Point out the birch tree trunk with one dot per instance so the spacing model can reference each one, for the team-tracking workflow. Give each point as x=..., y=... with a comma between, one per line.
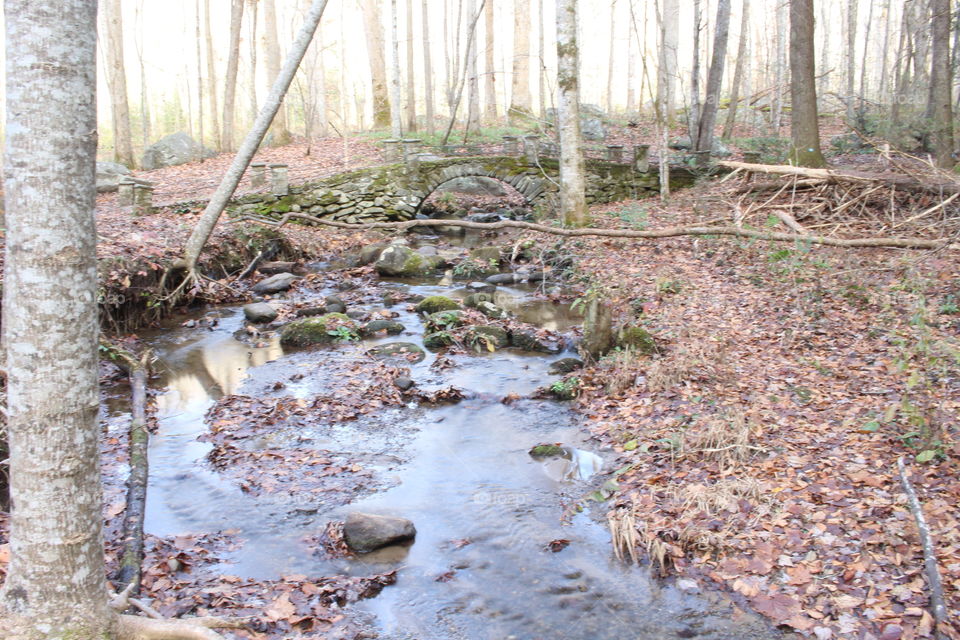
x=396, y=119
x=520, y=102
x=851, y=57
x=211, y=78
x=220, y=198
x=941, y=84
x=111, y=35
x=279, y=129
x=376, y=47
x=708, y=118
x=631, y=65
x=230, y=81
x=252, y=53
x=427, y=69
x=473, y=79
x=738, y=71
x=573, y=204
x=55, y=586
x=489, y=80
x=411, y=80
x=541, y=62
x=199, y=80
x=667, y=64
x=611, y=53
x=804, y=127
x=780, y=69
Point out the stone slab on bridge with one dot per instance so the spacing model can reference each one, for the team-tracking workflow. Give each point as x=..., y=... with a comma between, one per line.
x=395, y=192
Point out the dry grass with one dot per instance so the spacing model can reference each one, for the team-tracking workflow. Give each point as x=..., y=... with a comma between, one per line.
x=693, y=360
x=622, y=369
x=725, y=440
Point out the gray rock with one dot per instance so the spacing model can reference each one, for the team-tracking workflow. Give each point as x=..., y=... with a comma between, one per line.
x=474, y=186
x=681, y=143
x=402, y=350
x=273, y=268
x=503, y=278
x=490, y=310
x=392, y=327
x=365, y=532
x=403, y=383
x=276, y=283
x=481, y=287
x=108, y=176
x=427, y=250
x=565, y=365
x=403, y=262
x=592, y=128
x=483, y=217
x=474, y=300
x=335, y=305
x=370, y=253
x=174, y=149
x=311, y=311
x=528, y=340
x=260, y=312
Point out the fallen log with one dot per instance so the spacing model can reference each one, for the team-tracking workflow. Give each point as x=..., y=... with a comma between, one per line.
x=667, y=232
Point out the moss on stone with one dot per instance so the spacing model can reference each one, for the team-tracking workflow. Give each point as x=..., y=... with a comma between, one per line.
x=442, y=320
x=547, y=451
x=434, y=304
x=437, y=340
x=638, y=339
x=316, y=330
x=487, y=338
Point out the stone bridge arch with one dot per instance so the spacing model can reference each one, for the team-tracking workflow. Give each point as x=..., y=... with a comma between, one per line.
x=396, y=191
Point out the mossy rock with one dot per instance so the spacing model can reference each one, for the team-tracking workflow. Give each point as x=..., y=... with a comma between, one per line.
x=487, y=338
x=443, y=320
x=403, y=262
x=638, y=339
x=548, y=451
x=316, y=330
x=435, y=304
x=474, y=299
x=528, y=340
x=405, y=350
x=487, y=255
x=437, y=340
x=392, y=327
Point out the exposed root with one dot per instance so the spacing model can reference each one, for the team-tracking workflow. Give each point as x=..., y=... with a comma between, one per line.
x=139, y=628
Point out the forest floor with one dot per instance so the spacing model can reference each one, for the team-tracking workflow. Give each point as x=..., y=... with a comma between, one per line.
x=757, y=447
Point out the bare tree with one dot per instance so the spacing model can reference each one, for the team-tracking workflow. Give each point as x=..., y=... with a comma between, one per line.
x=230, y=81
x=611, y=51
x=252, y=53
x=850, y=54
x=489, y=79
x=111, y=42
x=427, y=69
x=396, y=119
x=805, y=130
x=667, y=63
x=279, y=128
x=473, y=79
x=780, y=68
x=211, y=78
x=941, y=84
x=735, y=89
x=198, y=42
x=144, y=101
x=411, y=84
x=573, y=203
x=708, y=117
x=541, y=62
x=520, y=102
x=693, y=118
x=376, y=46
x=55, y=585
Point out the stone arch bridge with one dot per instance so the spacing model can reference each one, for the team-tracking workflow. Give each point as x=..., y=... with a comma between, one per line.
x=395, y=192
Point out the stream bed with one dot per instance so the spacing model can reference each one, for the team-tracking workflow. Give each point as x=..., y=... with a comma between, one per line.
x=486, y=512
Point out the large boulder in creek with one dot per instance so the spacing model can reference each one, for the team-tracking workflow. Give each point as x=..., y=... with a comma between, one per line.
x=529, y=340
x=365, y=532
x=109, y=175
x=174, y=149
x=370, y=253
x=434, y=304
x=325, y=329
x=275, y=284
x=260, y=312
x=487, y=338
x=398, y=261
x=398, y=351
x=391, y=327
x=475, y=186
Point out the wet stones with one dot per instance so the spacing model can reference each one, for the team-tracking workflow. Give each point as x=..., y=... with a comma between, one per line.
x=481, y=287
x=437, y=340
x=528, y=340
x=434, y=304
x=334, y=304
x=371, y=253
x=325, y=329
x=491, y=310
x=504, y=278
x=399, y=261
x=487, y=338
x=365, y=532
x=260, y=312
x=391, y=327
x=400, y=350
x=475, y=299
x=275, y=283
x=565, y=366
x=404, y=383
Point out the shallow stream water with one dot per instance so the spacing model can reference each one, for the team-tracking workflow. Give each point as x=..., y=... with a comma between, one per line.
x=485, y=511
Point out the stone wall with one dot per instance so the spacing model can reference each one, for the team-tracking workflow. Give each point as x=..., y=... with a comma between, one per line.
x=395, y=192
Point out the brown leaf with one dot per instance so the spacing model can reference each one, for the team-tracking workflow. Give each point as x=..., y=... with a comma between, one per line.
x=280, y=609
x=779, y=607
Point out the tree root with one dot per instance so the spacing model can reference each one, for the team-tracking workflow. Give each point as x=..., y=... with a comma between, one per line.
x=668, y=232
x=139, y=628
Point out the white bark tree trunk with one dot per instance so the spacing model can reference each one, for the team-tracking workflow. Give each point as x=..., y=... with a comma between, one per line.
x=411, y=80
x=427, y=69
x=396, y=119
x=211, y=78
x=56, y=586
x=230, y=82
x=218, y=202
x=489, y=80
x=111, y=35
x=573, y=204
x=473, y=79
x=520, y=103
x=667, y=64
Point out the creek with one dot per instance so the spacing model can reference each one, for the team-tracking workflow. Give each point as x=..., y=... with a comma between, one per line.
x=485, y=511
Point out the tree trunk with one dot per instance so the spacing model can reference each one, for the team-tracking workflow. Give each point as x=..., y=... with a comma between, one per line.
x=279, y=129
x=851, y=58
x=885, y=56
x=427, y=69
x=824, y=81
x=321, y=85
x=396, y=118
x=218, y=202
x=804, y=128
x=473, y=80
x=230, y=82
x=667, y=64
x=211, y=78
x=520, y=102
x=693, y=119
x=252, y=52
x=541, y=62
x=376, y=46
x=611, y=56
x=111, y=34
x=199, y=79
x=708, y=118
x=489, y=80
x=863, y=67
x=738, y=72
x=941, y=84
x=55, y=586
x=780, y=73
x=144, y=100
x=631, y=63
x=411, y=80
x=573, y=204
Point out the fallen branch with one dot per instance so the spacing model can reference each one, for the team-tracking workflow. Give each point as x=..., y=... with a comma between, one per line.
x=937, y=604
x=791, y=222
x=668, y=232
